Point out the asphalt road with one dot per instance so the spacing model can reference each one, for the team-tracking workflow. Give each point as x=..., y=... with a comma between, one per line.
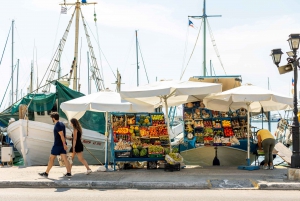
x=62, y=194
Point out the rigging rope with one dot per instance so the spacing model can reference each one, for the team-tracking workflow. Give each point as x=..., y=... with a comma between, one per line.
x=132, y=42
x=98, y=43
x=192, y=52
x=185, y=48
x=5, y=45
x=143, y=62
x=7, y=86
x=215, y=46
x=56, y=33
x=79, y=66
x=100, y=50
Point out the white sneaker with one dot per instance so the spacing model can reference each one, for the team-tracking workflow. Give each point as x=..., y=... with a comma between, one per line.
x=88, y=172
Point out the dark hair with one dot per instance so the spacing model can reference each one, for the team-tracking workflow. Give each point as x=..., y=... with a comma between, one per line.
x=76, y=125
x=54, y=115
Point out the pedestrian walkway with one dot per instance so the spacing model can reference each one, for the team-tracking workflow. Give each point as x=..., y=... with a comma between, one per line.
x=192, y=177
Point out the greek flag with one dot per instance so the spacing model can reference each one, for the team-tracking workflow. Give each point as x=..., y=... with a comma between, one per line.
x=63, y=10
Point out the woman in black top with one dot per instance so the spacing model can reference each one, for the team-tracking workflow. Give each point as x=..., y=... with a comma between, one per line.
x=77, y=146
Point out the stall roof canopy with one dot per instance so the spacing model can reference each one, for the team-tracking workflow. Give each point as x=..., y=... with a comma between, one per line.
x=227, y=81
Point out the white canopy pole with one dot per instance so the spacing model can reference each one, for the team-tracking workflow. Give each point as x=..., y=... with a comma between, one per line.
x=248, y=134
x=167, y=121
x=106, y=139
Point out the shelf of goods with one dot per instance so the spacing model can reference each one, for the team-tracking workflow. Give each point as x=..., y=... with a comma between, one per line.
x=212, y=128
x=139, y=137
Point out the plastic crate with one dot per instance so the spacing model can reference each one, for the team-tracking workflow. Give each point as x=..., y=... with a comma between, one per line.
x=171, y=168
x=123, y=154
x=155, y=155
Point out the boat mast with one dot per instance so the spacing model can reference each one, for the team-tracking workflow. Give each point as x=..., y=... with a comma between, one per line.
x=76, y=45
x=204, y=18
x=137, y=58
x=12, y=62
x=77, y=11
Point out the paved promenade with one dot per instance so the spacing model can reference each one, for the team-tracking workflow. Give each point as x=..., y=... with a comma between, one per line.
x=188, y=178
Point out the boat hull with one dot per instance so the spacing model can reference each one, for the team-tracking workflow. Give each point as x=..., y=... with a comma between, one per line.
x=34, y=141
x=205, y=155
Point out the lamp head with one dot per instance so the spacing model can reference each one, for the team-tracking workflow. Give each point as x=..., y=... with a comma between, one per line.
x=294, y=40
x=276, y=56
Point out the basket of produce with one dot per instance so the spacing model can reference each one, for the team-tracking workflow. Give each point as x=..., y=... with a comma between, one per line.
x=143, y=119
x=130, y=119
x=157, y=119
x=173, y=158
x=122, y=145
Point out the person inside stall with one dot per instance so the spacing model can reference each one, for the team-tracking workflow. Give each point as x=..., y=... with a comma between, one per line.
x=266, y=141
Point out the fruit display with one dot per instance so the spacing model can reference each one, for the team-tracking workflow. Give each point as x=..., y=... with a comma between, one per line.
x=208, y=139
x=153, y=131
x=143, y=120
x=124, y=137
x=162, y=130
x=157, y=119
x=218, y=133
x=199, y=137
x=226, y=123
x=130, y=118
x=122, y=145
x=122, y=130
x=155, y=149
x=216, y=124
x=208, y=124
x=198, y=123
x=135, y=143
x=118, y=121
x=208, y=131
x=228, y=132
x=134, y=130
x=144, y=132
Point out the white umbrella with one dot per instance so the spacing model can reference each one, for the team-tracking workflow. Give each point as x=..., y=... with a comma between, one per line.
x=103, y=101
x=171, y=93
x=251, y=97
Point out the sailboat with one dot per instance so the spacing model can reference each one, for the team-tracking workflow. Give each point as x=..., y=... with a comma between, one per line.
x=32, y=134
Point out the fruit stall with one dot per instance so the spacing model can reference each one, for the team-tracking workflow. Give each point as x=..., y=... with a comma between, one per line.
x=204, y=127
x=139, y=137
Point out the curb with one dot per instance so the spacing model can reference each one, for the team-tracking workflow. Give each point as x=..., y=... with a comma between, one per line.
x=104, y=185
x=279, y=186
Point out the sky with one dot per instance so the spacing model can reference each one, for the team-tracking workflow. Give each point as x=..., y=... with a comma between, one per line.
x=245, y=35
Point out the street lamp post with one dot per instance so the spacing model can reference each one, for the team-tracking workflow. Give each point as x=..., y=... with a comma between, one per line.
x=293, y=64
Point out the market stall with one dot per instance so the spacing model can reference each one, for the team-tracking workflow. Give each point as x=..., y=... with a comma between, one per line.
x=139, y=137
x=204, y=127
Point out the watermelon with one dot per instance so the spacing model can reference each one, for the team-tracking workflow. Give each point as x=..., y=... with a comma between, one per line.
x=136, y=152
x=143, y=152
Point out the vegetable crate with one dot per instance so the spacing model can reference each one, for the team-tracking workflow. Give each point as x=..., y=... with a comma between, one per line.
x=123, y=154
